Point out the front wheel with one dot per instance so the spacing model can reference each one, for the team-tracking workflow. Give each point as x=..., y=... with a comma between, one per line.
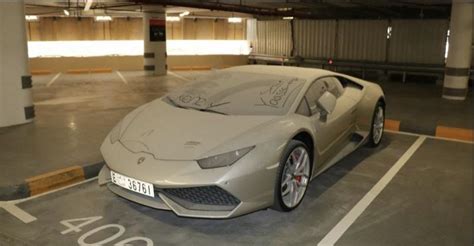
x=378, y=121
x=293, y=176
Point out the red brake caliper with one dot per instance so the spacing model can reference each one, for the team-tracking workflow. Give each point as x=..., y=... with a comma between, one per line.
x=298, y=178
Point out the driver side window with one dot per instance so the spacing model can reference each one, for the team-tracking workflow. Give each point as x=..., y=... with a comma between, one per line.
x=315, y=91
x=309, y=105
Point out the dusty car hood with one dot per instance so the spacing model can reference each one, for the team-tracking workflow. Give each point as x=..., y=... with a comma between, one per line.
x=171, y=133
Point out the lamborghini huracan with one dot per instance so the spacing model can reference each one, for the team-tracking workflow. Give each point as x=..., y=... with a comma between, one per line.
x=240, y=139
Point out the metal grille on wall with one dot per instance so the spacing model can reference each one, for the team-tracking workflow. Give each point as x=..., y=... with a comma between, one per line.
x=273, y=38
x=315, y=38
x=362, y=40
x=418, y=41
x=411, y=41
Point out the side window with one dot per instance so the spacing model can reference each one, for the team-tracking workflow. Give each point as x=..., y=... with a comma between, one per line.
x=333, y=85
x=303, y=108
x=348, y=83
x=315, y=91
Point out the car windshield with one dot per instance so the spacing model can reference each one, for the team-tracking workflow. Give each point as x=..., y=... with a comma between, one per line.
x=238, y=93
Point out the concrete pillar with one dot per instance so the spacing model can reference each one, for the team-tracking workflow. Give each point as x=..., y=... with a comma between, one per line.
x=16, y=104
x=154, y=38
x=459, y=55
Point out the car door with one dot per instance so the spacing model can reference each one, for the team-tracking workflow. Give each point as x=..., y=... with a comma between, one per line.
x=333, y=130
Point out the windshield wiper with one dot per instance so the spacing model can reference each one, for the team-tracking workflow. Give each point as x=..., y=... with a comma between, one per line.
x=174, y=103
x=210, y=110
x=198, y=109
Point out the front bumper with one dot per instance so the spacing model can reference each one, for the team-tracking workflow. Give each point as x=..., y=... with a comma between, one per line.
x=188, y=190
x=166, y=201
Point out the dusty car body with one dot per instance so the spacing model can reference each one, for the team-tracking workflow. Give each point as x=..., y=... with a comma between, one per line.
x=241, y=139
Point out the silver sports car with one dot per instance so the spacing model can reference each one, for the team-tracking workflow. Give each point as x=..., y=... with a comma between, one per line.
x=240, y=139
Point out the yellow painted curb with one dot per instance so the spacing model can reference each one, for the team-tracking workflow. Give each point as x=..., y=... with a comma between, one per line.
x=190, y=68
x=201, y=68
x=40, y=72
x=101, y=70
x=180, y=68
x=393, y=125
x=89, y=70
x=54, y=180
x=77, y=71
x=455, y=133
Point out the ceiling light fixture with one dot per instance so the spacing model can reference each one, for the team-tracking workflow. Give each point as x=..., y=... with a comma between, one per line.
x=184, y=13
x=66, y=13
x=288, y=18
x=234, y=20
x=102, y=18
x=31, y=18
x=284, y=9
x=173, y=18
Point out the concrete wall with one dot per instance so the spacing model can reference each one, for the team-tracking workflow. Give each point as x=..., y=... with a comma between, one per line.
x=418, y=41
x=71, y=28
x=68, y=64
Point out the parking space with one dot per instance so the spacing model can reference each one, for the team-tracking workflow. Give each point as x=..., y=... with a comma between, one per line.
x=429, y=199
x=421, y=200
x=88, y=83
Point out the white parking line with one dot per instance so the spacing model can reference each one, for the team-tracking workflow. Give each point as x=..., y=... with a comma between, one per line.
x=428, y=136
x=53, y=79
x=53, y=191
x=18, y=212
x=13, y=209
x=178, y=76
x=337, y=231
x=122, y=77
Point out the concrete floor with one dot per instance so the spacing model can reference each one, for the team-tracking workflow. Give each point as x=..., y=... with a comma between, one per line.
x=75, y=112
x=429, y=202
x=420, y=107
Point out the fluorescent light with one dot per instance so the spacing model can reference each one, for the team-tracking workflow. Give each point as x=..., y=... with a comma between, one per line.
x=234, y=20
x=389, y=32
x=172, y=18
x=66, y=13
x=88, y=5
x=284, y=9
x=135, y=48
x=31, y=17
x=288, y=18
x=103, y=18
x=184, y=13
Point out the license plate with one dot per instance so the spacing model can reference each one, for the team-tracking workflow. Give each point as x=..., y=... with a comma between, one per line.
x=132, y=184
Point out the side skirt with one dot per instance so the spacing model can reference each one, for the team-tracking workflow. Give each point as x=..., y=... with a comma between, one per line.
x=357, y=140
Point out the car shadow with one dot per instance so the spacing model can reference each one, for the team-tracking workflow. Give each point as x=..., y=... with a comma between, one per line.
x=317, y=213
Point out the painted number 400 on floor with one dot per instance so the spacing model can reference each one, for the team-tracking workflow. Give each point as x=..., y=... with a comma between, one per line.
x=75, y=225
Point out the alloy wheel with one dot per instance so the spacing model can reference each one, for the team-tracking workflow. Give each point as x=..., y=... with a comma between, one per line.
x=377, y=128
x=295, y=177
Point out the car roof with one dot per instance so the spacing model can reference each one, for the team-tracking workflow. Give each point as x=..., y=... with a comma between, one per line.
x=308, y=74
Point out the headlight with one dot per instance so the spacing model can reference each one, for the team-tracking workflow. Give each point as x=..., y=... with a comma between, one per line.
x=225, y=159
x=115, y=133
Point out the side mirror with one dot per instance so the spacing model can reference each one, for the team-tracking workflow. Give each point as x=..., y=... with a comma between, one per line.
x=327, y=102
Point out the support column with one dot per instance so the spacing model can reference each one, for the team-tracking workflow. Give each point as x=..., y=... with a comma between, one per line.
x=456, y=75
x=16, y=104
x=154, y=38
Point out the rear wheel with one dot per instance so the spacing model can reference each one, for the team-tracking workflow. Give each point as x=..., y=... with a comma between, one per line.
x=293, y=176
x=378, y=121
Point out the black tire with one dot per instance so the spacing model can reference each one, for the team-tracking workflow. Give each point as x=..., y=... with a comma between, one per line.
x=278, y=203
x=371, y=142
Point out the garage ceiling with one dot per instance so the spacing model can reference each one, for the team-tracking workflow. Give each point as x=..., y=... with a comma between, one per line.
x=312, y=9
